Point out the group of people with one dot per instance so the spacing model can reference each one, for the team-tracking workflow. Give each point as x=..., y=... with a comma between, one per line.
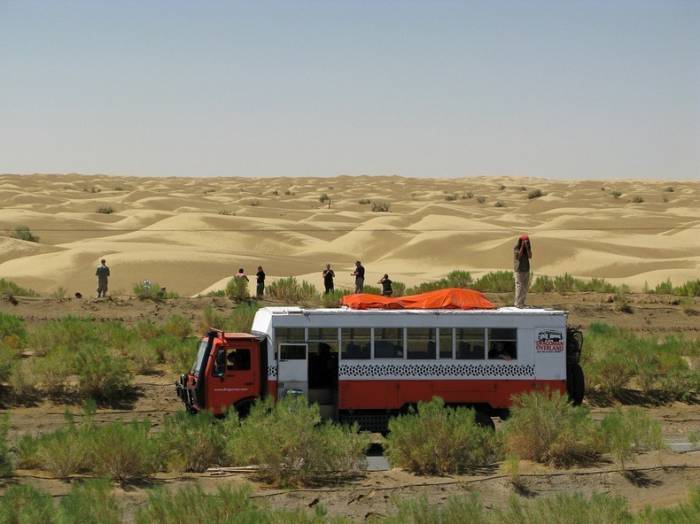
x=522, y=253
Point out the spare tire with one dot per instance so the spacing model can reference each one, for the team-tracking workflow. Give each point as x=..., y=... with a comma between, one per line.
x=575, y=384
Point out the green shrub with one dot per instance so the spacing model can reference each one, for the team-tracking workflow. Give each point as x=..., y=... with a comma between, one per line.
x=24, y=504
x=455, y=278
x=24, y=233
x=195, y=443
x=177, y=326
x=398, y=288
x=628, y=432
x=124, y=451
x=372, y=290
x=637, y=200
x=496, y=282
x=90, y=502
x=5, y=463
x=499, y=204
x=10, y=288
x=237, y=289
x=7, y=362
x=417, y=510
x=439, y=440
x=100, y=375
x=364, y=201
x=545, y=427
x=53, y=371
x=177, y=353
x=332, y=299
x=105, y=210
x=451, y=197
x=289, y=290
x=324, y=198
x=380, y=206
x=12, y=331
x=152, y=291
x=481, y=199
x=141, y=357
x=616, y=194
x=297, y=447
x=535, y=193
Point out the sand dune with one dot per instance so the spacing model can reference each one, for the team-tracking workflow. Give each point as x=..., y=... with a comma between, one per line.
x=192, y=234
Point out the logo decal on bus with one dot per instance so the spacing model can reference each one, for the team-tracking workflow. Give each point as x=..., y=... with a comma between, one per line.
x=549, y=341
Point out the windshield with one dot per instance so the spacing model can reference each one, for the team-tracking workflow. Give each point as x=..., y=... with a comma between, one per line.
x=198, y=364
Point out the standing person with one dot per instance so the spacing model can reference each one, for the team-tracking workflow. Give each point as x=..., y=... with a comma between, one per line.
x=102, y=275
x=260, y=288
x=387, y=291
x=359, y=275
x=522, y=253
x=328, y=276
x=241, y=274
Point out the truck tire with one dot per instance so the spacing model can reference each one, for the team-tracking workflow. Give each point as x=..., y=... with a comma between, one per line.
x=575, y=384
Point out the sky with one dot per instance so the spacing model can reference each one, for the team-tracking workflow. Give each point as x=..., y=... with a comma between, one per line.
x=594, y=89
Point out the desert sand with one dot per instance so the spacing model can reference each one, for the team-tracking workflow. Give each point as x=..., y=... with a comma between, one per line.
x=192, y=234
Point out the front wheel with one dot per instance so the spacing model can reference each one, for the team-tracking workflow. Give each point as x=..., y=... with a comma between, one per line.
x=575, y=384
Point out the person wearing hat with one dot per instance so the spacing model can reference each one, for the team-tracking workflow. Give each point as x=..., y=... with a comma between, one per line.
x=522, y=254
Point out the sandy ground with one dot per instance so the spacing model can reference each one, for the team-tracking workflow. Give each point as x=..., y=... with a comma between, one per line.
x=659, y=479
x=192, y=234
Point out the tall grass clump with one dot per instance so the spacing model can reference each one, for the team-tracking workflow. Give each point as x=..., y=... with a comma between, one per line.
x=24, y=233
x=24, y=504
x=455, y=278
x=12, y=331
x=691, y=288
x=439, y=440
x=177, y=326
x=495, y=282
x=101, y=375
x=291, y=291
x=615, y=359
x=628, y=432
x=239, y=320
x=566, y=283
x=298, y=448
x=90, y=502
x=332, y=299
x=546, y=428
x=152, y=291
x=7, y=287
x=5, y=462
x=237, y=289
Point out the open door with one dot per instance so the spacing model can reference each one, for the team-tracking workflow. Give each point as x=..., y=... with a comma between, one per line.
x=292, y=369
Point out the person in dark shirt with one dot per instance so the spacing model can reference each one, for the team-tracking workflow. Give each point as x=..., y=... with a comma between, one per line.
x=260, y=288
x=522, y=253
x=328, y=276
x=359, y=275
x=102, y=274
x=387, y=291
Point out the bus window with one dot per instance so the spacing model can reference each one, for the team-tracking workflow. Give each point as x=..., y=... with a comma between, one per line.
x=503, y=343
x=471, y=343
x=355, y=343
x=420, y=343
x=446, y=342
x=388, y=342
x=289, y=336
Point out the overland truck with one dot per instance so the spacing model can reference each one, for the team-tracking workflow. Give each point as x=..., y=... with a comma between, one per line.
x=366, y=364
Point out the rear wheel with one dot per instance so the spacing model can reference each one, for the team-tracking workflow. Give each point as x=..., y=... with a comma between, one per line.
x=575, y=384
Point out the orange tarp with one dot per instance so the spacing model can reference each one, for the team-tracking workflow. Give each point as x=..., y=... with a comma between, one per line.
x=453, y=298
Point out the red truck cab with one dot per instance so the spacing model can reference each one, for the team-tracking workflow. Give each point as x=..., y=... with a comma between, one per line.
x=227, y=372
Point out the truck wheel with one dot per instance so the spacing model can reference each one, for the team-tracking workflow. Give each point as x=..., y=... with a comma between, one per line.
x=575, y=384
x=484, y=420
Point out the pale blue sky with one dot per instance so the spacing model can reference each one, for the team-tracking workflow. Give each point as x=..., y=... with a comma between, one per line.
x=560, y=89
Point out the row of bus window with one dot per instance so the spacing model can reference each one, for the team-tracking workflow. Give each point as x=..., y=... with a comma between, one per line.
x=399, y=343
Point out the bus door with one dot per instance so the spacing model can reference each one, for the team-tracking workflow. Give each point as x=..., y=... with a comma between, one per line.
x=292, y=369
x=234, y=375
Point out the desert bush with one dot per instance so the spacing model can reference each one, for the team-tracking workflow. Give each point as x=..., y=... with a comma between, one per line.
x=195, y=443
x=333, y=298
x=148, y=290
x=177, y=353
x=364, y=201
x=63, y=452
x=10, y=288
x=90, y=502
x=455, y=278
x=616, y=194
x=141, y=357
x=324, y=198
x=628, y=432
x=254, y=203
x=12, y=331
x=177, y=326
x=7, y=361
x=622, y=302
x=380, y=206
x=535, y=193
x=5, y=463
x=372, y=290
x=237, y=289
x=545, y=427
x=637, y=200
x=495, y=282
x=669, y=189
x=105, y=210
x=52, y=371
x=24, y=504
x=24, y=233
x=499, y=204
x=298, y=448
x=481, y=199
x=451, y=197
x=691, y=288
x=100, y=375
x=289, y=290
x=21, y=380
x=399, y=288
x=567, y=284
x=439, y=440
x=468, y=195
x=124, y=451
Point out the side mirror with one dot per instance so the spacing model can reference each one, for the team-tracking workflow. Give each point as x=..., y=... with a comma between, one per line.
x=220, y=364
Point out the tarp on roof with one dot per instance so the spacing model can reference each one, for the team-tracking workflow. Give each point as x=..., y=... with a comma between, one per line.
x=452, y=298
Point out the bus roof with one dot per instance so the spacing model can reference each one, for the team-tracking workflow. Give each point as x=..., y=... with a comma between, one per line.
x=294, y=310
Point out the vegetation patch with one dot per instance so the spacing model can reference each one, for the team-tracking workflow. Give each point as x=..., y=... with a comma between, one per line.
x=291, y=291
x=8, y=287
x=148, y=290
x=105, y=210
x=440, y=440
x=298, y=448
x=237, y=289
x=24, y=233
x=535, y=193
x=380, y=206
x=567, y=283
